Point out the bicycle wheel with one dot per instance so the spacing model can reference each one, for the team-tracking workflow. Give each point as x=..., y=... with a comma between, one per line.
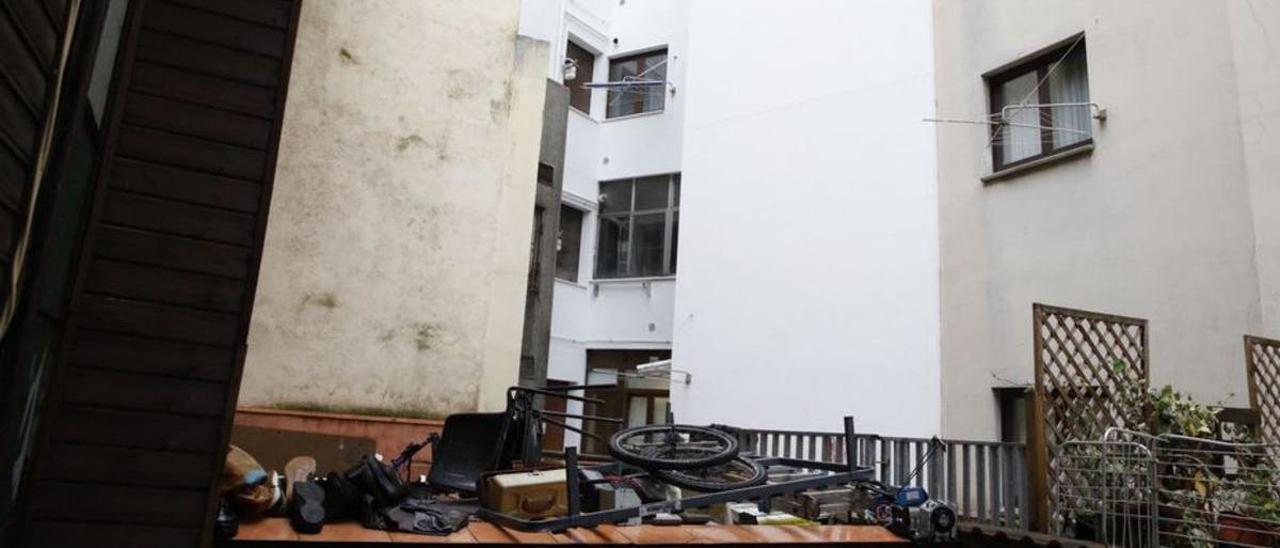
x=735, y=474
x=672, y=447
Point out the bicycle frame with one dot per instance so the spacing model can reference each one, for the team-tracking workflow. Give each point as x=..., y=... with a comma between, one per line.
x=841, y=473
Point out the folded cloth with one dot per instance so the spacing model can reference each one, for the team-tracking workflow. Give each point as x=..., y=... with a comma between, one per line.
x=424, y=516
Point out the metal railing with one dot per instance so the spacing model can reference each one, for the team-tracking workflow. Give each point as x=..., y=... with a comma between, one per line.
x=986, y=480
x=1135, y=490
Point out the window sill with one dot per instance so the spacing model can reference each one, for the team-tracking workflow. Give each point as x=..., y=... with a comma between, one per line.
x=585, y=115
x=1082, y=150
x=641, y=279
x=571, y=283
x=634, y=116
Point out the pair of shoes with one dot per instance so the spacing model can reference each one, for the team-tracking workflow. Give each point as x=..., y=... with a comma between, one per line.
x=306, y=499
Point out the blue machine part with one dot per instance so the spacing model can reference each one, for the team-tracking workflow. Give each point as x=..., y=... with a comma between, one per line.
x=910, y=496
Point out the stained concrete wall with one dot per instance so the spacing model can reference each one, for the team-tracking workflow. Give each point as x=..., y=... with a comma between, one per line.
x=1171, y=218
x=397, y=250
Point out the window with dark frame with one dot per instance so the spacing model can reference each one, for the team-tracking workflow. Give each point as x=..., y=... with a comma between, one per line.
x=585, y=61
x=639, y=225
x=1027, y=127
x=627, y=100
x=569, y=244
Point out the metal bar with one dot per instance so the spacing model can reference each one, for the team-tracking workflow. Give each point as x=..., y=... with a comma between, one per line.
x=1006, y=485
x=981, y=482
x=886, y=462
x=934, y=469
x=918, y=469
x=949, y=491
x=900, y=452
x=849, y=441
x=555, y=394
x=583, y=417
x=966, y=501
x=841, y=475
x=575, y=429
x=571, y=476
x=1020, y=488
x=576, y=387
x=1000, y=478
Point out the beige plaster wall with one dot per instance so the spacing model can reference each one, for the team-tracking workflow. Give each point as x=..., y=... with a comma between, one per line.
x=396, y=253
x=1171, y=218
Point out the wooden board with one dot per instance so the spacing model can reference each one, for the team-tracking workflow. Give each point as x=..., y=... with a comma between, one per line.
x=272, y=447
x=276, y=532
x=142, y=401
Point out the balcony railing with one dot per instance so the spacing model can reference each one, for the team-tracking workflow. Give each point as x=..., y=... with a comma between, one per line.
x=986, y=480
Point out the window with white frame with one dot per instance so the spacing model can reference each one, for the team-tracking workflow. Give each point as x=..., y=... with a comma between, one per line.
x=1040, y=106
x=639, y=227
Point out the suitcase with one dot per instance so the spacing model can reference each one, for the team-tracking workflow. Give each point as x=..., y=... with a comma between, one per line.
x=527, y=495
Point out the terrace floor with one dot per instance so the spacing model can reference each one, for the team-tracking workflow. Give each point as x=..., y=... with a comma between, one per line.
x=276, y=533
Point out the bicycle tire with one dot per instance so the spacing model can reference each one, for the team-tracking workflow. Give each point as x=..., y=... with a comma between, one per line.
x=703, y=481
x=668, y=455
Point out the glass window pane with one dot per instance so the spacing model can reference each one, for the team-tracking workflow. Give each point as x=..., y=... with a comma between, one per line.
x=615, y=197
x=1070, y=84
x=1021, y=138
x=661, y=405
x=647, y=244
x=636, y=99
x=675, y=184
x=579, y=96
x=637, y=411
x=675, y=239
x=569, y=243
x=651, y=192
x=611, y=253
x=655, y=68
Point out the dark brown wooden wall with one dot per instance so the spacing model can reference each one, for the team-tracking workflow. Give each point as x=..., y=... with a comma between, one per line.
x=141, y=403
x=30, y=46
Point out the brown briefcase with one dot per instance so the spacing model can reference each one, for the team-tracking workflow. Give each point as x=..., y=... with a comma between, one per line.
x=526, y=495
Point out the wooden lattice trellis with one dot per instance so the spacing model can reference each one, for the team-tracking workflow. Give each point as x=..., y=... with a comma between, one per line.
x=1262, y=365
x=1090, y=369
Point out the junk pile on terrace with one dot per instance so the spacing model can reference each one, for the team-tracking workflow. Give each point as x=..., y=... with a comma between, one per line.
x=490, y=466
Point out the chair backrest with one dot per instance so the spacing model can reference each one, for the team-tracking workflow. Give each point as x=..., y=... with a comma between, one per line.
x=470, y=444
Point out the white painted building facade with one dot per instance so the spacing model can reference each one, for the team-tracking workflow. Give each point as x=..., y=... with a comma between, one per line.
x=592, y=313
x=838, y=255
x=769, y=190
x=808, y=283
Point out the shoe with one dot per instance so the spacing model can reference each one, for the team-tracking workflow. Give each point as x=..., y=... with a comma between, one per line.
x=341, y=497
x=378, y=480
x=227, y=524
x=297, y=470
x=279, y=501
x=306, y=507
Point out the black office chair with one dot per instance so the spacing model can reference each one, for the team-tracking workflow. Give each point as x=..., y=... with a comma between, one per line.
x=471, y=444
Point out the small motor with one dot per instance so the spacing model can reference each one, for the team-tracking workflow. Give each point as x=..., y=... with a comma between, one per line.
x=933, y=521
